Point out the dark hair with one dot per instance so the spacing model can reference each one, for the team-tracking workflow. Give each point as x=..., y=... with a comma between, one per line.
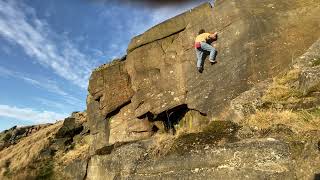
x=201, y=31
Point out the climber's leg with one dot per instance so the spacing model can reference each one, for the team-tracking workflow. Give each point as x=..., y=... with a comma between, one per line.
x=199, y=58
x=212, y=50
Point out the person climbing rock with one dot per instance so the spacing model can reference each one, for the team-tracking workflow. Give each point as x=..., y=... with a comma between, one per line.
x=202, y=46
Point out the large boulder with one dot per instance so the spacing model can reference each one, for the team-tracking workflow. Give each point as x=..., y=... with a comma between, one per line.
x=209, y=156
x=257, y=40
x=110, y=86
x=109, y=89
x=309, y=80
x=125, y=127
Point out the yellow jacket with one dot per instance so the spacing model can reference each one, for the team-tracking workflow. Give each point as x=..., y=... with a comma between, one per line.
x=202, y=37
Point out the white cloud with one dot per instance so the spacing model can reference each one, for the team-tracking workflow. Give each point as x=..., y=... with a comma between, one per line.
x=50, y=103
x=46, y=84
x=74, y=101
x=6, y=72
x=20, y=25
x=61, y=107
x=77, y=105
x=28, y=114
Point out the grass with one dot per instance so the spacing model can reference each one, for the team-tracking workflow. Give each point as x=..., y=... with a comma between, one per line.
x=28, y=162
x=6, y=137
x=45, y=171
x=310, y=114
x=298, y=121
x=162, y=143
x=316, y=62
x=80, y=151
x=23, y=153
x=211, y=134
x=7, y=172
x=282, y=89
x=192, y=122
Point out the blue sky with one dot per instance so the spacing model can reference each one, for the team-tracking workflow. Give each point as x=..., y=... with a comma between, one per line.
x=48, y=49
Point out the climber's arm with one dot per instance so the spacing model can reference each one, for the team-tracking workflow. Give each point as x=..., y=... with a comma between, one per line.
x=213, y=35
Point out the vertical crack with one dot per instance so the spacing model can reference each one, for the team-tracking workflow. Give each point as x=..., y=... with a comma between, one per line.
x=87, y=166
x=164, y=52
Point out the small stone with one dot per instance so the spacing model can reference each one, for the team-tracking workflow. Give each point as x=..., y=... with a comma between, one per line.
x=278, y=106
x=196, y=170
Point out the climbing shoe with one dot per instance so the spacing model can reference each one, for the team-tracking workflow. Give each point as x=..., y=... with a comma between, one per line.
x=213, y=61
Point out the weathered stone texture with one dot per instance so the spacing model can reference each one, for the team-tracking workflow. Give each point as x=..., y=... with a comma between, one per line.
x=99, y=127
x=125, y=127
x=256, y=41
x=309, y=80
x=119, y=166
x=75, y=170
x=252, y=159
x=110, y=117
x=170, y=27
x=110, y=85
x=247, y=103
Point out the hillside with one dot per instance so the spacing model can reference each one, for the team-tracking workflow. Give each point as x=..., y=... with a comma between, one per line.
x=255, y=114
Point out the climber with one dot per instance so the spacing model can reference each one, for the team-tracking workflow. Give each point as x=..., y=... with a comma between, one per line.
x=202, y=46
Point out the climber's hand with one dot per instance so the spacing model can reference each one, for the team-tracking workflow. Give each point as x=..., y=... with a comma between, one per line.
x=214, y=36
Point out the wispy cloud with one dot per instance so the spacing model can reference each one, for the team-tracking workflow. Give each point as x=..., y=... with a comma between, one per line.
x=46, y=84
x=20, y=25
x=51, y=104
x=28, y=114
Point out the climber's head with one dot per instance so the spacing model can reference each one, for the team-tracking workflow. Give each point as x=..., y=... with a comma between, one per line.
x=201, y=31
